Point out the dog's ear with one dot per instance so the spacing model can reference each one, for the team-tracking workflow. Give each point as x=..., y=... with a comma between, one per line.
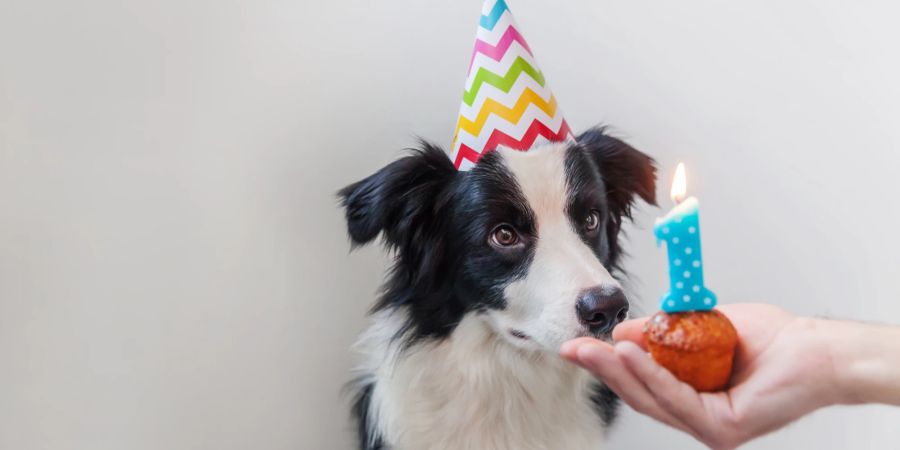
x=399, y=200
x=626, y=172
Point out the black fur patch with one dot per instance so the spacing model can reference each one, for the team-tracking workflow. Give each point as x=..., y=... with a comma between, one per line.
x=586, y=194
x=606, y=403
x=627, y=174
x=367, y=438
x=439, y=221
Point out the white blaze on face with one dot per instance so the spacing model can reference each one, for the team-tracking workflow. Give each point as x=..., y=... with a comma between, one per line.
x=542, y=304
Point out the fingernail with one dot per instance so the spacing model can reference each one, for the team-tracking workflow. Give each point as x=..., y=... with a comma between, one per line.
x=568, y=348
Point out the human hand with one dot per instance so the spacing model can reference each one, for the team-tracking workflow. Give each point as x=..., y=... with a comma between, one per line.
x=781, y=372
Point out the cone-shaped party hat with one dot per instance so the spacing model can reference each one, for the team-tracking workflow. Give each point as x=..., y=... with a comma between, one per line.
x=507, y=101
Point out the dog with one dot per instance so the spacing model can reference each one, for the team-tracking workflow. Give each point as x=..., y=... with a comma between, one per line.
x=494, y=269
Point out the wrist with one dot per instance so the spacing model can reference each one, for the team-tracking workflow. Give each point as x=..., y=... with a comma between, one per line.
x=863, y=361
x=819, y=341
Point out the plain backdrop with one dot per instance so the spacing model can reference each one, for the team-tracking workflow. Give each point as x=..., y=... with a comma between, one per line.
x=174, y=271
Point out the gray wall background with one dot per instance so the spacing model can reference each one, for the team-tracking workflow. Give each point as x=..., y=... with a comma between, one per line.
x=174, y=272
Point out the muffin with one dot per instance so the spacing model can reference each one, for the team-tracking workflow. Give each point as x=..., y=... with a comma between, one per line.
x=696, y=346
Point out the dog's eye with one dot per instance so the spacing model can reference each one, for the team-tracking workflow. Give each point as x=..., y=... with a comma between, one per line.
x=592, y=221
x=504, y=236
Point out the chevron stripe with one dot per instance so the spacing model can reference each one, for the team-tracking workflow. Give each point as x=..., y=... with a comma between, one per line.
x=535, y=130
x=516, y=130
x=496, y=52
x=506, y=98
x=498, y=138
x=488, y=21
x=493, y=36
x=505, y=82
x=464, y=154
x=502, y=66
x=512, y=115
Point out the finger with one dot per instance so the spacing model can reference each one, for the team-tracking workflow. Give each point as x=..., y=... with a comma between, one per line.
x=677, y=398
x=631, y=330
x=601, y=361
x=567, y=350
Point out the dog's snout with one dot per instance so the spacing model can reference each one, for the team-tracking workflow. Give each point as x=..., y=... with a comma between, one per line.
x=601, y=308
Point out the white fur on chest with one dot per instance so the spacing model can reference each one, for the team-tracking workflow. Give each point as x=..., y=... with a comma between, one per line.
x=474, y=391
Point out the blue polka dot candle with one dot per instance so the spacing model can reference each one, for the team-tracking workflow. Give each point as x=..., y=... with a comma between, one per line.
x=680, y=230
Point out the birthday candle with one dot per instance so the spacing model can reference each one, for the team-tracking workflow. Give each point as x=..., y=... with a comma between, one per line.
x=680, y=229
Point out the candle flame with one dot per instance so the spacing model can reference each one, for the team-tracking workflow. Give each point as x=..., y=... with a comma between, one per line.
x=679, y=184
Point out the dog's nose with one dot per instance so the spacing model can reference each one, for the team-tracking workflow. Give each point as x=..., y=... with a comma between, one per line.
x=601, y=308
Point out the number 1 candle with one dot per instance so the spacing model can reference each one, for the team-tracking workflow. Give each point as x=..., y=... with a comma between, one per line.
x=688, y=337
x=680, y=229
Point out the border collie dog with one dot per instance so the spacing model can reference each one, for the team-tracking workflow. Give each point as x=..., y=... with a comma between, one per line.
x=494, y=269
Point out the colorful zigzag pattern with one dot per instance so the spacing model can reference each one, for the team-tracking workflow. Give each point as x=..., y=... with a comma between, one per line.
x=506, y=101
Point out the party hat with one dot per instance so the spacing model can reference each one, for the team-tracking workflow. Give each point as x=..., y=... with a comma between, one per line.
x=507, y=101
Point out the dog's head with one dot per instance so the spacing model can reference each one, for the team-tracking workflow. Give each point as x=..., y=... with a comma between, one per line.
x=525, y=240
